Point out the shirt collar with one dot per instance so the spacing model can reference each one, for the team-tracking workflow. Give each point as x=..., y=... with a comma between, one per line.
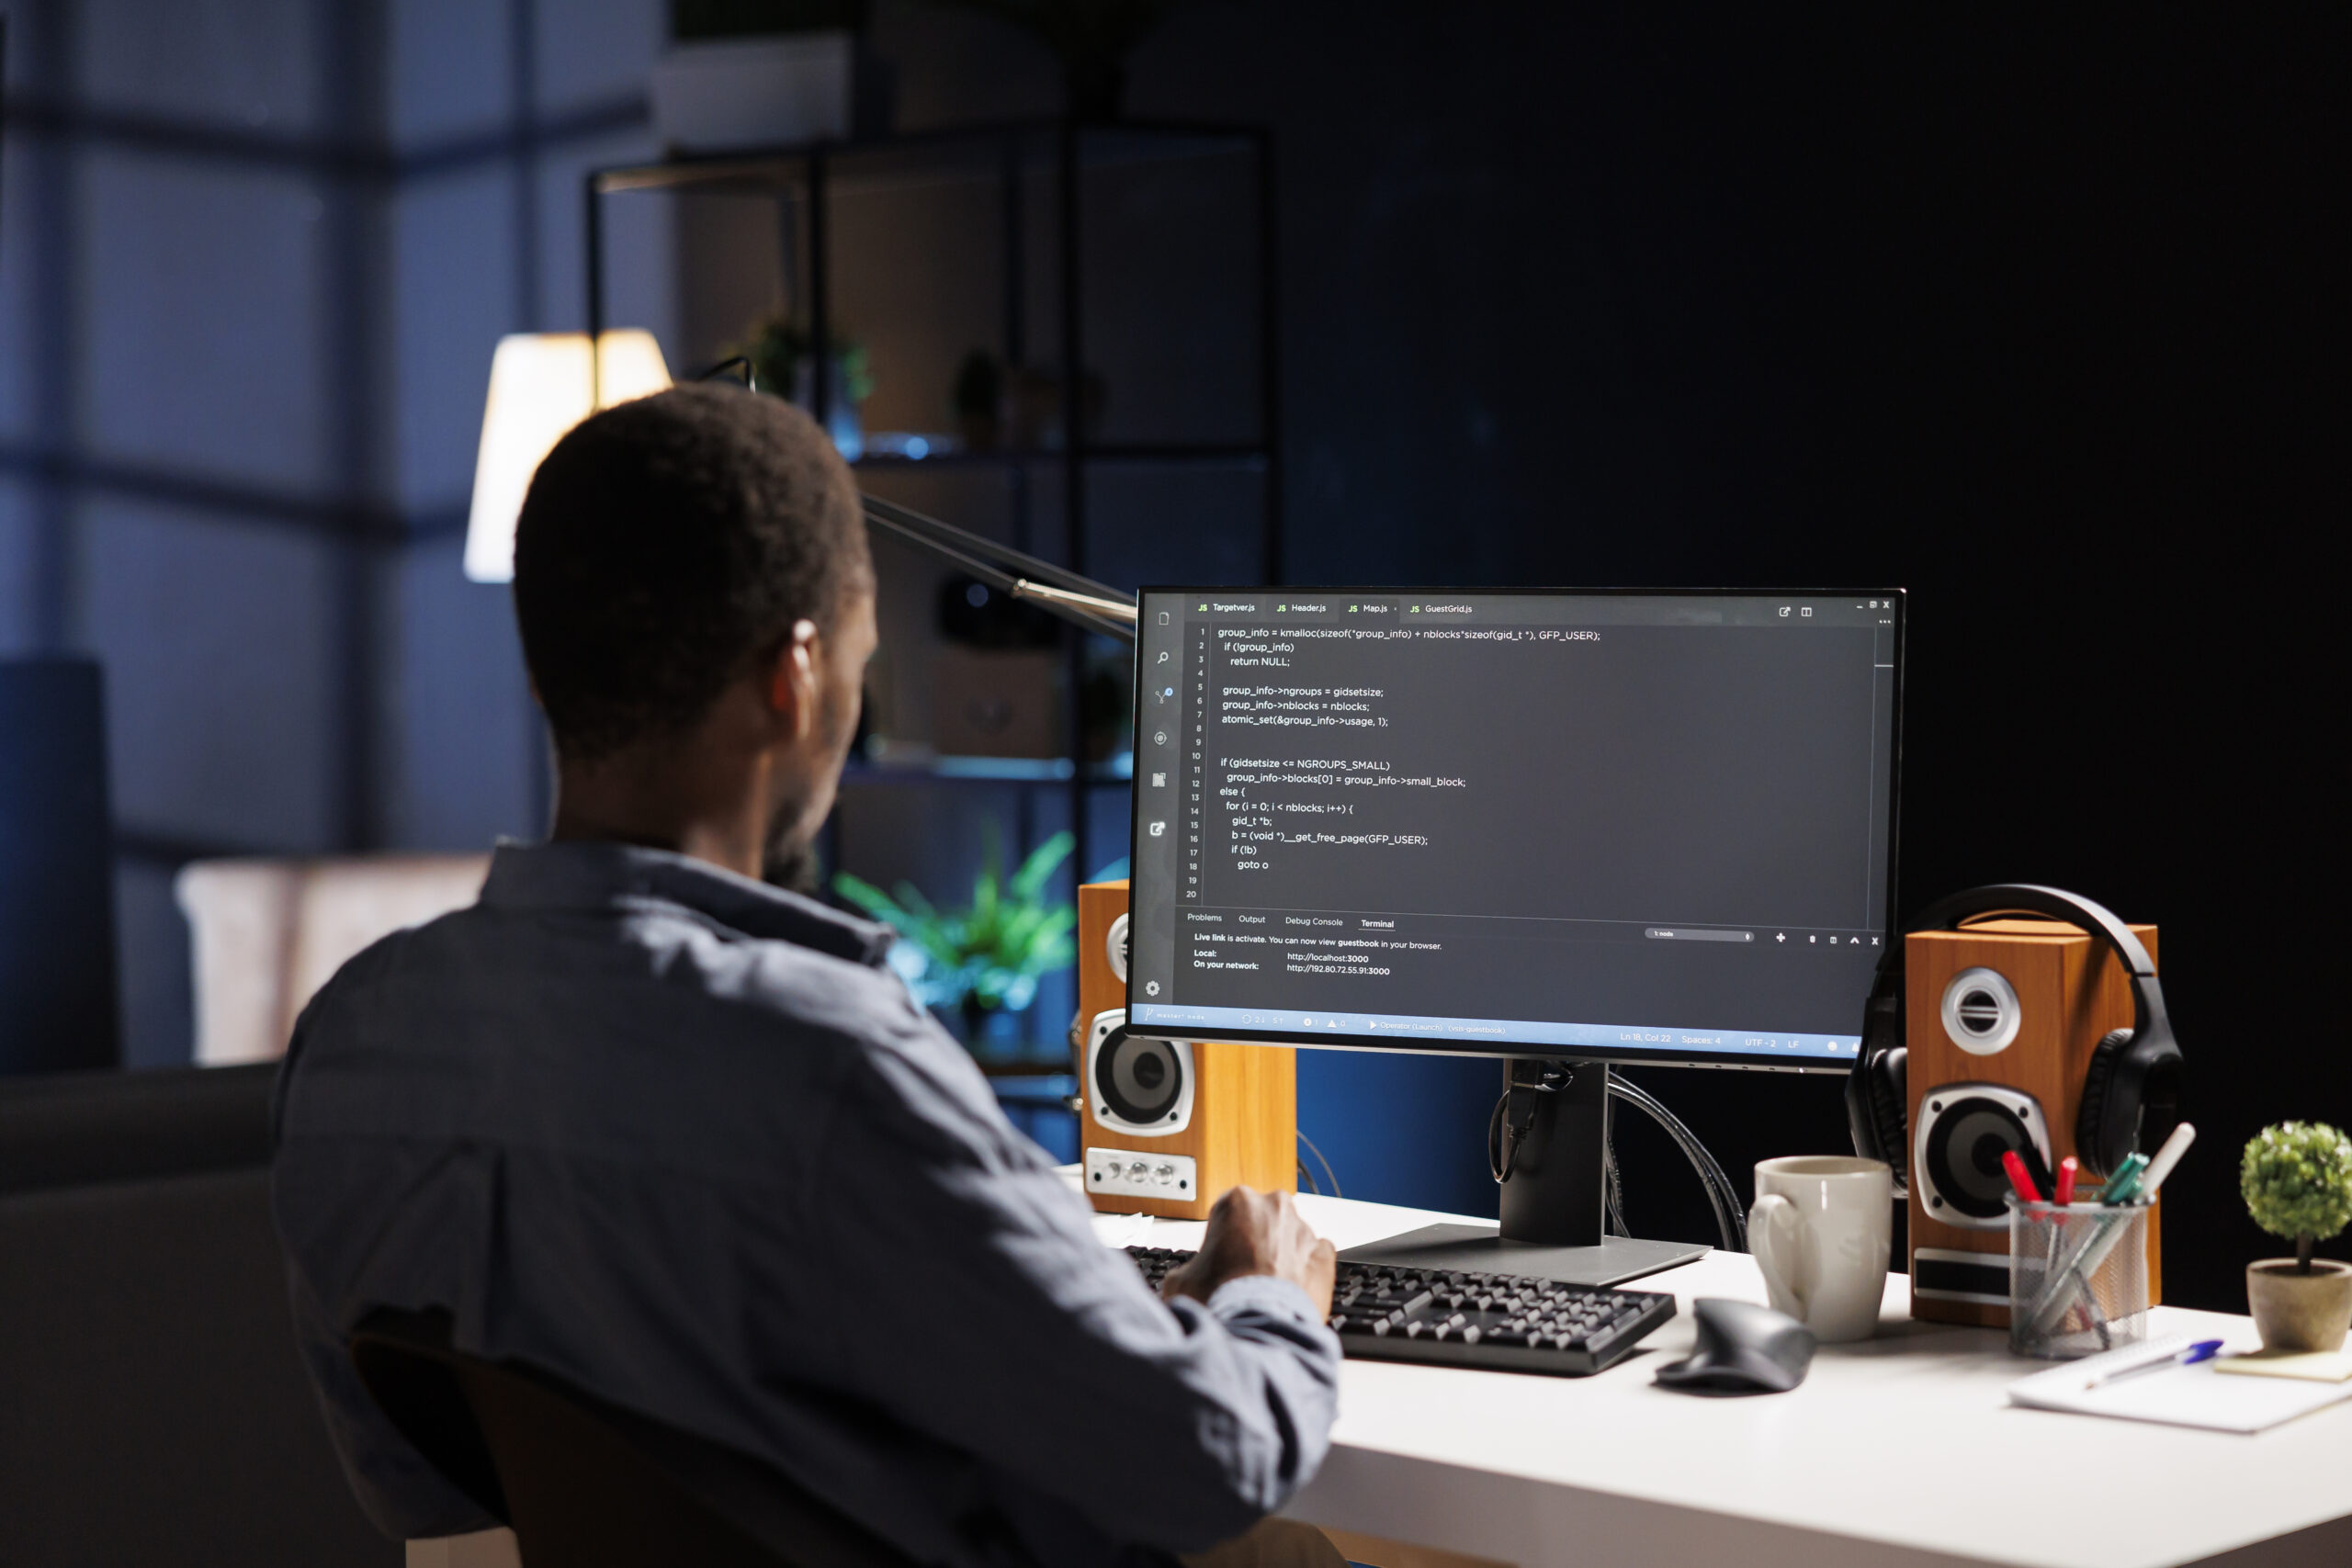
x=581, y=873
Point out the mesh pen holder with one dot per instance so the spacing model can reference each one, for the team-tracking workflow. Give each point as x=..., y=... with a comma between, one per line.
x=2078, y=1278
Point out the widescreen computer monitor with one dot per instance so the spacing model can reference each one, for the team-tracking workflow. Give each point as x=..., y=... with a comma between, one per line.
x=1628, y=826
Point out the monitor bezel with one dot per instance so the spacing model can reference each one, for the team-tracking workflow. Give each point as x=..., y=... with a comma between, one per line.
x=1617, y=1056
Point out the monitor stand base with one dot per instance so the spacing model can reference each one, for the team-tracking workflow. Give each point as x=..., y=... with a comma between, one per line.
x=1481, y=1249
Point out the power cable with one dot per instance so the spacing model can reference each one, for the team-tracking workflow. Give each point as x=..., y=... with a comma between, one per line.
x=1327, y=1174
x=1731, y=1218
x=1510, y=1122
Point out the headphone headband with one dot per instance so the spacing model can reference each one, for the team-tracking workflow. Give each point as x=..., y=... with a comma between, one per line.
x=2053, y=903
x=2070, y=908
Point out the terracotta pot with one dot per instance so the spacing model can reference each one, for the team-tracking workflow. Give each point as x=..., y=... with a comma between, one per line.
x=2300, y=1312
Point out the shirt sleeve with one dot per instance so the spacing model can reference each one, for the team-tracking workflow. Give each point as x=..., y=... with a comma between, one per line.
x=979, y=1307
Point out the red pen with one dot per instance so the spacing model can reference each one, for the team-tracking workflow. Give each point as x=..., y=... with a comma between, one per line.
x=2067, y=1170
x=2019, y=1178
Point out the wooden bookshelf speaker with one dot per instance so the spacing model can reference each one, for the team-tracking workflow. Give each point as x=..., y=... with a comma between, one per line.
x=1168, y=1127
x=2000, y=1021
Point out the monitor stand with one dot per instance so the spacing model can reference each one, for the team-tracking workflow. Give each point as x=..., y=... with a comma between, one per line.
x=1555, y=1198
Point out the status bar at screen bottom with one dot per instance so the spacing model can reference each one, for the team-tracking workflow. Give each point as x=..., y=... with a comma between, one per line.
x=1497, y=1031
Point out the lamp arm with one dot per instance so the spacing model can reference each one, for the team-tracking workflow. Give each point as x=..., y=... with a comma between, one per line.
x=1058, y=598
x=1094, y=606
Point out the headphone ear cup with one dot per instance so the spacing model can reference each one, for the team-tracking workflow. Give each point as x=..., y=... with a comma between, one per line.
x=2099, y=1082
x=1888, y=1088
x=1875, y=1106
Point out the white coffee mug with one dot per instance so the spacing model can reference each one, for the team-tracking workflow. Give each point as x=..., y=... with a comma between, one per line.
x=1820, y=1230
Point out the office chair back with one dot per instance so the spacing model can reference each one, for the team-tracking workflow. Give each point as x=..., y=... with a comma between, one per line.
x=584, y=1484
x=153, y=1409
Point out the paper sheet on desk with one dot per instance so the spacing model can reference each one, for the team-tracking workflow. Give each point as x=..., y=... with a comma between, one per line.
x=2178, y=1396
x=1124, y=1230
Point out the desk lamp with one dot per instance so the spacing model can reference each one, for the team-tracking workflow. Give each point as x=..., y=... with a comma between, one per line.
x=541, y=384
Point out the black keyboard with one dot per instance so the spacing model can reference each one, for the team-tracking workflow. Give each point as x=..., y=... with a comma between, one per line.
x=1507, y=1322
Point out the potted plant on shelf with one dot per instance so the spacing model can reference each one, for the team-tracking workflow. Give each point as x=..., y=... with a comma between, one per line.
x=2297, y=1180
x=978, y=397
x=783, y=362
x=982, y=962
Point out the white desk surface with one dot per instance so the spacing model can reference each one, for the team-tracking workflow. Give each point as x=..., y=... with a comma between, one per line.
x=1900, y=1449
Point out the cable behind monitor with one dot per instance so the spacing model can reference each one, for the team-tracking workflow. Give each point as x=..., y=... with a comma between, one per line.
x=1509, y=1126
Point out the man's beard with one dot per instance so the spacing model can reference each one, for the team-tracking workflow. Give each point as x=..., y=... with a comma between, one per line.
x=789, y=861
x=792, y=866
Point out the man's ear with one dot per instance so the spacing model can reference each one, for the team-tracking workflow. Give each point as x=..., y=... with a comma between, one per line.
x=792, y=681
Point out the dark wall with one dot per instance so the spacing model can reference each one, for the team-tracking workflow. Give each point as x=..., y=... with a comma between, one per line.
x=2040, y=317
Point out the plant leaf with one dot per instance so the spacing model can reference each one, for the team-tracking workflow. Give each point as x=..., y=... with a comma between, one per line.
x=1030, y=880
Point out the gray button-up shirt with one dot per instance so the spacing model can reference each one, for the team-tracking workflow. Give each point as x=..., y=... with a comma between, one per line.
x=685, y=1142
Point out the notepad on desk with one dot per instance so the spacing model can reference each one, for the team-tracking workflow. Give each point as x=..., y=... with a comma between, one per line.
x=2197, y=1396
x=2314, y=1366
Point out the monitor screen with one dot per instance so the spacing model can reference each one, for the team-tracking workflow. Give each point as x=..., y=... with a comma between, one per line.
x=1633, y=826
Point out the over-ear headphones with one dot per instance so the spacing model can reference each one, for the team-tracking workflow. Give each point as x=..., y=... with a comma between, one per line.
x=2132, y=1086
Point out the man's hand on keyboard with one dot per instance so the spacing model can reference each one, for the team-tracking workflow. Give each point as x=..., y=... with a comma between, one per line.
x=1258, y=1233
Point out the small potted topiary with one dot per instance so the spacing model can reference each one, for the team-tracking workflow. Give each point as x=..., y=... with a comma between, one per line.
x=2297, y=1179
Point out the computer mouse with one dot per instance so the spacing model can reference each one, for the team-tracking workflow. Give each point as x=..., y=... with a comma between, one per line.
x=1742, y=1349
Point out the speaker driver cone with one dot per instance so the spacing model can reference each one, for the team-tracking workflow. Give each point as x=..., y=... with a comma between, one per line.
x=1965, y=1142
x=1140, y=1080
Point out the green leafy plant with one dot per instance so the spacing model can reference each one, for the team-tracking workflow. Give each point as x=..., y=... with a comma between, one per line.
x=989, y=954
x=2296, y=1178
x=778, y=347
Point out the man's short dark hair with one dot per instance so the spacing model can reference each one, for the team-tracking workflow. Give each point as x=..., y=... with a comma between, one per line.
x=668, y=544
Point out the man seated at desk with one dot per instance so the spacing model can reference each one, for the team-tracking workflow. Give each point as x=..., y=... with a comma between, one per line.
x=684, y=1140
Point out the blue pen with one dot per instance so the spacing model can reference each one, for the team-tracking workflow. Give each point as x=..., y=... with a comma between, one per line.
x=2202, y=1350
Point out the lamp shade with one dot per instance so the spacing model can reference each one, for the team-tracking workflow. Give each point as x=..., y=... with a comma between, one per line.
x=540, y=386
